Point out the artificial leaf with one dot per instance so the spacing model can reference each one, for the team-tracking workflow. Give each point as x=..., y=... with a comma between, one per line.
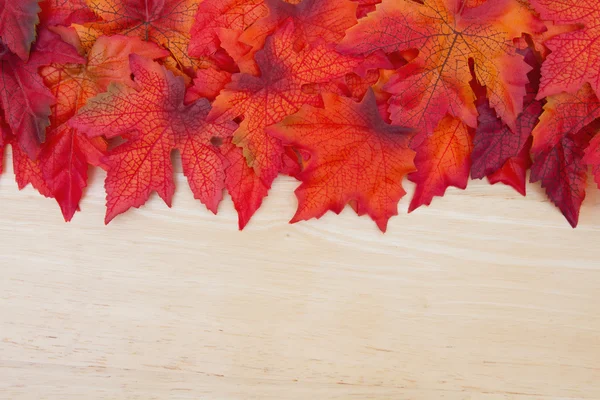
x=214, y=15
x=355, y=156
x=514, y=171
x=107, y=61
x=495, y=142
x=155, y=121
x=165, y=22
x=288, y=80
x=65, y=12
x=314, y=21
x=208, y=83
x=23, y=96
x=447, y=33
x=592, y=157
x=443, y=159
x=66, y=157
x=575, y=55
x=247, y=190
x=559, y=140
x=365, y=7
x=17, y=26
x=28, y=171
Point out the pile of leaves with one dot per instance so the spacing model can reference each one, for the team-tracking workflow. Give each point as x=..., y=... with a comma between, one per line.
x=347, y=96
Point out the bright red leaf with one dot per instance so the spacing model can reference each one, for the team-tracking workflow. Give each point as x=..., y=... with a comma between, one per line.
x=314, y=21
x=575, y=55
x=495, y=143
x=155, y=120
x=355, y=156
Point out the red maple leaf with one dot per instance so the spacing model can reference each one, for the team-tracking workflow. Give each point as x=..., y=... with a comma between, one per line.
x=66, y=156
x=26, y=170
x=575, y=55
x=592, y=157
x=559, y=140
x=18, y=20
x=495, y=143
x=24, y=98
x=355, y=157
x=155, y=121
x=208, y=83
x=314, y=21
x=447, y=34
x=288, y=80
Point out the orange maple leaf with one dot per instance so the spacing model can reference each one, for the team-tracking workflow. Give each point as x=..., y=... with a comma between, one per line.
x=443, y=159
x=154, y=120
x=355, y=156
x=447, y=33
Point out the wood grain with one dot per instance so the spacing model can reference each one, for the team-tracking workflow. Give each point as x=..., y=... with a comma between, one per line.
x=484, y=295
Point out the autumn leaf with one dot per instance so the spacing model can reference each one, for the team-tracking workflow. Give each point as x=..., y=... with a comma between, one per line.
x=314, y=21
x=592, y=157
x=23, y=96
x=365, y=7
x=154, y=120
x=18, y=20
x=247, y=190
x=355, y=156
x=106, y=62
x=575, y=55
x=514, y=171
x=566, y=127
x=495, y=143
x=65, y=12
x=208, y=83
x=216, y=15
x=447, y=33
x=288, y=80
x=66, y=156
x=443, y=159
x=164, y=22
x=28, y=171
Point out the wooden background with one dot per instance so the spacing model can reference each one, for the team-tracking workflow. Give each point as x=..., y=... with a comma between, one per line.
x=485, y=295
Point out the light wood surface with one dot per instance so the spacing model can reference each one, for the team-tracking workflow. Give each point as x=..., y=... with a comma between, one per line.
x=484, y=295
